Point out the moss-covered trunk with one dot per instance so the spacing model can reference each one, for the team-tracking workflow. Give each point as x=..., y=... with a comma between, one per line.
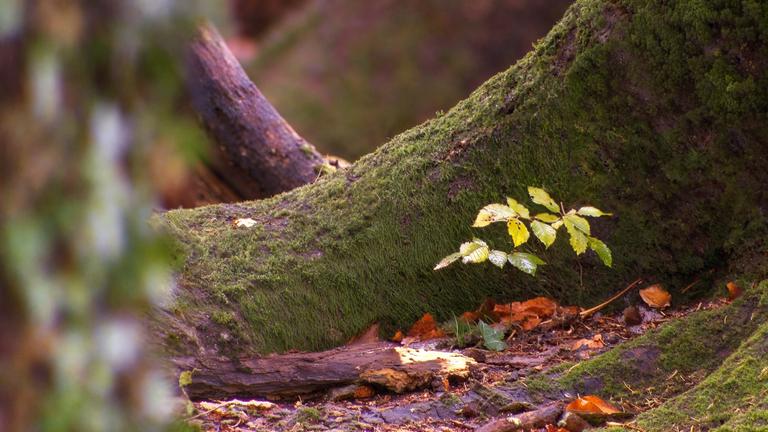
x=654, y=110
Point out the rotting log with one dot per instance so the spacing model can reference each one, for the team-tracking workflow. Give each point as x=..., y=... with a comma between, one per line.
x=385, y=365
x=535, y=419
x=259, y=154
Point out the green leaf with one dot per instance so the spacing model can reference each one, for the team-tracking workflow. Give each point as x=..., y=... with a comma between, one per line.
x=493, y=213
x=540, y=196
x=469, y=247
x=474, y=252
x=545, y=233
x=556, y=224
x=579, y=222
x=525, y=262
x=445, y=262
x=578, y=240
x=602, y=251
x=185, y=378
x=520, y=209
x=547, y=217
x=497, y=258
x=518, y=232
x=592, y=212
x=493, y=339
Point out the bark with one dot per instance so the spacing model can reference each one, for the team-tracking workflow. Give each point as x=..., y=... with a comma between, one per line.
x=260, y=155
x=538, y=418
x=624, y=106
x=385, y=365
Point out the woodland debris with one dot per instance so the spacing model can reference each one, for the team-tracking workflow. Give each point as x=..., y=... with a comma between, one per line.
x=656, y=296
x=395, y=368
x=538, y=418
x=632, y=316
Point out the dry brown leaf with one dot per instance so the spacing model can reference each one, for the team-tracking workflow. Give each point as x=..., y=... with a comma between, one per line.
x=469, y=317
x=527, y=314
x=426, y=328
x=398, y=337
x=734, y=290
x=594, y=343
x=591, y=405
x=656, y=296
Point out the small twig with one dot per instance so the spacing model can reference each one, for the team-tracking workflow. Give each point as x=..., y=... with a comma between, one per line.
x=221, y=405
x=589, y=312
x=689, y=286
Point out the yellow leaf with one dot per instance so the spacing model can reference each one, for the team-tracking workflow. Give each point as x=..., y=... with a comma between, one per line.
x=520, y=209
x=540, y=196
x=518, y=232
x=493, y=213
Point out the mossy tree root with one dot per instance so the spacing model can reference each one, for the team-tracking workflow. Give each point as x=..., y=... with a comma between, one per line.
x=650, y=111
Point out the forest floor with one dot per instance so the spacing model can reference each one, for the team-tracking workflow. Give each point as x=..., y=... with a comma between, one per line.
x=455, y=406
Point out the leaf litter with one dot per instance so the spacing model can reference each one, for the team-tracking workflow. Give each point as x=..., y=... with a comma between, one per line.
x=509, y=341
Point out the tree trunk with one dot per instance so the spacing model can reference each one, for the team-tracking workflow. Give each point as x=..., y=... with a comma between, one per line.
x=646, y=110
x=260, y=154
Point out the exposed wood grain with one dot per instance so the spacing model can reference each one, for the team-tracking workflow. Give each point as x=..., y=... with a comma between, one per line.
x=382, y=364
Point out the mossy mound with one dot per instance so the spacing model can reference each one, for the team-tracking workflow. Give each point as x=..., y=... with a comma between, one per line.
x=654, y=112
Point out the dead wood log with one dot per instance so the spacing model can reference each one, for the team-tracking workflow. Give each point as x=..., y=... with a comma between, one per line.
x=538, y=418
x=260, y=154
x=386, y=365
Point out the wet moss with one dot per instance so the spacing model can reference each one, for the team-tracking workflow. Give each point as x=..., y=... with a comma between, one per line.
x=622, y=106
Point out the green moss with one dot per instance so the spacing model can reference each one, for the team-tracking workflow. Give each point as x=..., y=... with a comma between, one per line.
x=614, y=116
x=308, y=415
x=224, y=318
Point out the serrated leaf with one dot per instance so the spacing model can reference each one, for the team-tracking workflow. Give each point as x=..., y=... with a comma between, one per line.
x=445, y=262
x=469, y=247
x=525, y=262
x=518, y=232
x=579, y=222
x=497, y=258
x=493, y=213
x=592, y=212
x=540, y=196
x=547, y=217
x=545, y=233
x=478, y=255
x=602, y=251
x=493, y=339
x=577, y=239
x=520, y=209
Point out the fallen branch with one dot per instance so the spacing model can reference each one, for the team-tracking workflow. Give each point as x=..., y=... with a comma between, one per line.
x=386, y=365
x=538, y=418
x=258, y=153
x=586, y=313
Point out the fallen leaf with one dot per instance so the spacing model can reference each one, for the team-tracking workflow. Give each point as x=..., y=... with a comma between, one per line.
x=632, y=316
x=552, y=428
x=591, y=405
x=469, y=317
x=734, y=290
x=245, y=222
x=656, y=296
x=426, y=328
x=594, y=343
x=527, y=314
x=398, y=337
